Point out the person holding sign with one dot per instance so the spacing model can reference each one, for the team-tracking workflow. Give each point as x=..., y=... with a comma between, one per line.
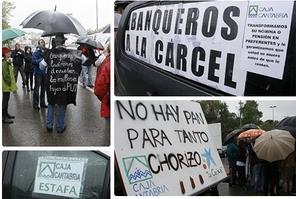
x=63, y=70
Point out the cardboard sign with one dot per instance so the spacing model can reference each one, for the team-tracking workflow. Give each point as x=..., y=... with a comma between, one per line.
x=200, y=41
x=266, y=37
x=60, y=176
x=216, y=132
x=165, y=148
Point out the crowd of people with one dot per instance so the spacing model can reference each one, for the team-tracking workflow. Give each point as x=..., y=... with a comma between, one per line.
x=36, y=69
x=263, y=177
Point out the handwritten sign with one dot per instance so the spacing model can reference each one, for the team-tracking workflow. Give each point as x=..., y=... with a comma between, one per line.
x=266, y=37
x=165, y=148
x=60, y=176
x=63, y=71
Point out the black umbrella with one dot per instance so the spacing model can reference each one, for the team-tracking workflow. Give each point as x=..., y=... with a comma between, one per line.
x=53, y=22
x=235, y=132
x=230, y=136
x=90, y=42
x=249, y=126
x=288, y=124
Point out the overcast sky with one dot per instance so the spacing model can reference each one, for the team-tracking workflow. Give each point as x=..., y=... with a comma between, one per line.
x=283, y=108
x=84, y=11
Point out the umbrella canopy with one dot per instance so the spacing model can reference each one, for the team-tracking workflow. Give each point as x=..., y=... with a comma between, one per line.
x=53, y=22
x=274, y=145
x=11, y=33
x=230, y=135
x=235, y=132
x=249, y=126
x=90, y=42
x=288, y=124
x=251, y=134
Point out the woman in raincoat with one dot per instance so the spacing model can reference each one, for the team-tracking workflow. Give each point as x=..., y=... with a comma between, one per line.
x=8, y=84
x=102, y=89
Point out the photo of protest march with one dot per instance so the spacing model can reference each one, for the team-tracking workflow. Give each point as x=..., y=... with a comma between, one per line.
x=205, y=148
x=56, y=73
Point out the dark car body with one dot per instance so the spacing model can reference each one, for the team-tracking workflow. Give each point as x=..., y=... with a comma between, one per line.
x=134, y=77
x=19, y=168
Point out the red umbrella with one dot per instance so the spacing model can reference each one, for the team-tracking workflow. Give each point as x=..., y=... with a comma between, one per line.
x=251, y=134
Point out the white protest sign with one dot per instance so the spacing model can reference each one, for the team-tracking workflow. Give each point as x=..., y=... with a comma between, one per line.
x=216, y=132
x=201, y=41
x=165, y=148
x=266, y=37
x=60, y=176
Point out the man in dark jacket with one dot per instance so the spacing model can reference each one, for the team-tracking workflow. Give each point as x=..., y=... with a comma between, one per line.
x=18, y=57
x=63, y=70
x=40, y=77
x=231, y=152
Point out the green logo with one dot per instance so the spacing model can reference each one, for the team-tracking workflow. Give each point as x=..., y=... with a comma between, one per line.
x=253, y=11
x=136, y=169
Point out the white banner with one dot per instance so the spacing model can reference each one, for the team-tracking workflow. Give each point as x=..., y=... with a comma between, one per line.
x=266, y=37
x=60, y=176
x=165, y=148
x=201, y=41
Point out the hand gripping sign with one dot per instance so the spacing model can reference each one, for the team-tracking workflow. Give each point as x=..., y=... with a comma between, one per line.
x=165, y=148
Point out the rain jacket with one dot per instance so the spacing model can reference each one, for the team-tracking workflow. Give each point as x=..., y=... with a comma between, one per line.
x=102, y=87
x=8, y=81
x=36, y=59
x=18, y=57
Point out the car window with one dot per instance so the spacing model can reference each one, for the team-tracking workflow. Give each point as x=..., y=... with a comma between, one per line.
x=180, y=44
x=58, y=174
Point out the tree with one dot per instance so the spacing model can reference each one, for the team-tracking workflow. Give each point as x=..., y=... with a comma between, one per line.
x=269, y=125
x=7, y=7
x=217, y=112
x=250, y=113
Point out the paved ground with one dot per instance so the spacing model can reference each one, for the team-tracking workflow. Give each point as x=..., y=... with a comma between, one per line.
x=83, y=122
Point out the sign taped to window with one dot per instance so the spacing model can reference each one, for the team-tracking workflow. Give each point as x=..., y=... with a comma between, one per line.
x=266, y=37
x=200, y=41
x=165, y=148
x=61, y=176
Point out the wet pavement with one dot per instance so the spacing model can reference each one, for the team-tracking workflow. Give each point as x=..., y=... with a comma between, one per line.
x=84, y=126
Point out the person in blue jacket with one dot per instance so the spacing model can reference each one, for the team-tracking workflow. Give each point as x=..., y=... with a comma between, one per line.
x=40, y=77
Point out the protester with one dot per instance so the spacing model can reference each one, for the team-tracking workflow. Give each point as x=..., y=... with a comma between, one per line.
x=271, y=179
x=102, y=89
x=8, y=84
x=87, y=66
x=40, y=77
x=257, y=172
x=29, y=68
x=241, y=163
x=231, y=152
x=63, y=69
x=287, y=172
x=18, y=57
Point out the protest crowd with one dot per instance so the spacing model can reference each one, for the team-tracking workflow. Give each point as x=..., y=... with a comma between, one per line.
x=263, y=162
x=52, y=75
